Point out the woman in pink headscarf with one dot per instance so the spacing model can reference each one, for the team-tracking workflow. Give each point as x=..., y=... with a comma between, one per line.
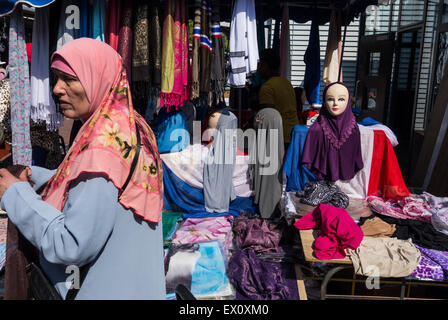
x=101, y=209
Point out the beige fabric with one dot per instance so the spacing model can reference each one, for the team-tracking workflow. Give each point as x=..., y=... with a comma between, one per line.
x=385, y=257
x=377, y=228
x=333, y=51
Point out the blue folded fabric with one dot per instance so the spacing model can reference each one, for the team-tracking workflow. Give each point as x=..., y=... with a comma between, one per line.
x=297, y=175
x=180, y=196
x=368, y=122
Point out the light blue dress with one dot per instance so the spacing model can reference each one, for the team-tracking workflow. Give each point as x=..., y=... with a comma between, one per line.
x=126, y=252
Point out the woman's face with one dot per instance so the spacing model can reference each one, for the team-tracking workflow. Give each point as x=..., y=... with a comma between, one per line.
x=72, y=96
x=336, y=99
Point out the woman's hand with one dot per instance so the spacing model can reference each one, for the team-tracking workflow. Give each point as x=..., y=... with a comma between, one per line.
x=7, y=179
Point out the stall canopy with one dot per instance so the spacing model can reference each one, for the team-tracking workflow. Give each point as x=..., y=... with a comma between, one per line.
x=300, y=11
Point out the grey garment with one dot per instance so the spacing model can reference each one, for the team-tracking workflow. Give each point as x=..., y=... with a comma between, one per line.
x=125, y=252
x=269, y=159
x=219, y=166
x=317, y=192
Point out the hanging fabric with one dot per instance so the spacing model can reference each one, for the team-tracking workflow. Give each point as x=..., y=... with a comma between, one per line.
x=285, y=54
x=174, y=55
x=98, y=20
x=334, y=50
x=84, y=20
x=243, y=43
x=140, y=57
x=312, y=62
x=113, y=23
x=217, y=75
x=43, y=107
x=20, y=90
x=155, y=58
x=195, y=64
x=125, y=38
x=69, y=22
x=205, y=49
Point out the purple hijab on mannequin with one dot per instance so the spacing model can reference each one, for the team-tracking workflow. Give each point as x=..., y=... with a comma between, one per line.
x=332, y=148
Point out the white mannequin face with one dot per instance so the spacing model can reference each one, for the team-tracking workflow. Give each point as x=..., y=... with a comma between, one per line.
x=336, y=99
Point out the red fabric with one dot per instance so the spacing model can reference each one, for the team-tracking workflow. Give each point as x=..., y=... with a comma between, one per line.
x=29, y=49
x=338, y=231
x=113, y=23
x=385, y=180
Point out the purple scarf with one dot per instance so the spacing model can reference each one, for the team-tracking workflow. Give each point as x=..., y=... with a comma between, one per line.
x=332, y=148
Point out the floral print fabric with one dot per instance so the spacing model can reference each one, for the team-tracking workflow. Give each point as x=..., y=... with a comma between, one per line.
x=197, y=230
x=20, y=91
x=434, y=265
x=412, y=207
x=108, y=140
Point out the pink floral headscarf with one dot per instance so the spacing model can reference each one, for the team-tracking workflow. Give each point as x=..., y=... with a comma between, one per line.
x=106, y=143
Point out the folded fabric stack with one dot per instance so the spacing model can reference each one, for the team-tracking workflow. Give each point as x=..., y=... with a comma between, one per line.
x=262, y=268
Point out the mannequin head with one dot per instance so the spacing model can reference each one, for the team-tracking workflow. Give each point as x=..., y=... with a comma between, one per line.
x=213, y=120
x=336, y=99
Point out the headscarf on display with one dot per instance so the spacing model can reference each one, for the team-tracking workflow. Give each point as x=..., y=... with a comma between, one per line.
x=174, y=77
x=220, y=163
x=108, y=138
x=267, y=177
x=332, y=148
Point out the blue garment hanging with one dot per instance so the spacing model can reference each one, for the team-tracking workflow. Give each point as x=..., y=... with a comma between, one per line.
x=84, y=24
x=297, y=175
x=312, y=61
x=98, y=20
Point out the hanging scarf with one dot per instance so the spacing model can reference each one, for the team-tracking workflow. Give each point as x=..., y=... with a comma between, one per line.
x=243, y=43
x=312, y=62
x=217, y=75
x=85, y=13
x=195, y=65
x=155, y=39
x=155, y=57
x=20, y=94
x=332, y=148
x=113, y=23
x=333, y=51
x=98, y=20
x=205, y=49
x=140, y=57
x=141, y=75
x=43, y=107
x=69, y=22
x=108, y=139
x=125, y=38
x=174, y=55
